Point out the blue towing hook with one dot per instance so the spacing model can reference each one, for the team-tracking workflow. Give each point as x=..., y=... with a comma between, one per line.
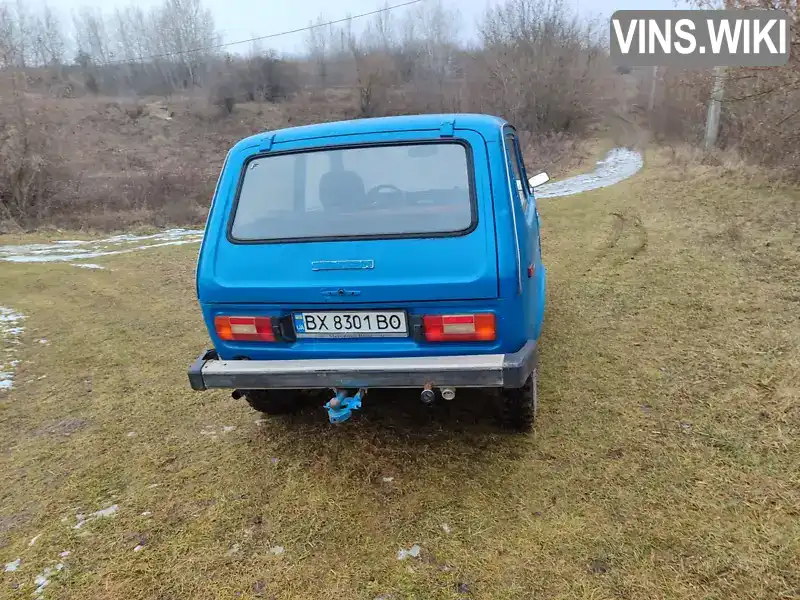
x=340, y=408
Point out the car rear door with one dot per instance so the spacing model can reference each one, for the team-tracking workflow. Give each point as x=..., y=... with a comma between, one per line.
x=362, y=269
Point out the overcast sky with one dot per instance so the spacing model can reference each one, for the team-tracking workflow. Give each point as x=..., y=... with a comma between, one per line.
x=241, y=19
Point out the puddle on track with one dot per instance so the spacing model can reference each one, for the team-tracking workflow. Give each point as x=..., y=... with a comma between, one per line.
x=618, y=165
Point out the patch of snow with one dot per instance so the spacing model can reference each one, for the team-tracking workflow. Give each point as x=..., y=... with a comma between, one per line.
x=277, y=550
x=132, y=434
x=65, y=554
x=413, y=552
x=13, y=565
x=106, y=512
x=138, y=548
x=72, y=250
x=446, y=528
x=42, y=580
x=211, y=431
x=9, y=332
x=388, y=479
x=100, y=514
x=147, y=513
x=33, y=540
x=618, y=165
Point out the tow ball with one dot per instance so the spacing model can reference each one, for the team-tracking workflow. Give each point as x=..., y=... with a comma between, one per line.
x=340, y=408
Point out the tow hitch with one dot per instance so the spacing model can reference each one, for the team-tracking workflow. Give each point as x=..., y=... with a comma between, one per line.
x=340, y=408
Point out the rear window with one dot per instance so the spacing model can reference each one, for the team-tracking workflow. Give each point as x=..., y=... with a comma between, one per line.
x=369, y=191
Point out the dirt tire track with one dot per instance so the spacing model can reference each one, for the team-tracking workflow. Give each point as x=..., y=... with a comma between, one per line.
x=626, y=239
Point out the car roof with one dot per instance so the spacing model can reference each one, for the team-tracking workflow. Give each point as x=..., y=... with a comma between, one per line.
x=479, y=122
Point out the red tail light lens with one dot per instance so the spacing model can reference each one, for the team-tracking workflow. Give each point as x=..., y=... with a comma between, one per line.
x=473, y=328
x=244, y=329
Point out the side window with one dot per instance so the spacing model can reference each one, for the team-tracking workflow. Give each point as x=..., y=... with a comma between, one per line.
x=517, y=173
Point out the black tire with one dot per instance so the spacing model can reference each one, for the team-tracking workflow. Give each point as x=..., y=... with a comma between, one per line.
x=519, y=406
x=274, y=402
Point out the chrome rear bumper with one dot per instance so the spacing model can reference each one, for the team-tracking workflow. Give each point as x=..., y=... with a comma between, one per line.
x=476, y=370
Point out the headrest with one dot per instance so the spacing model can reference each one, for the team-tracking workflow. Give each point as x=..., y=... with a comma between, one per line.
x=341, y=190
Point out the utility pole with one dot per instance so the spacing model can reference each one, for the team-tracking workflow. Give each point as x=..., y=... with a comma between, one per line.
x=715, y=107
x=651, y=105
x=717, y=96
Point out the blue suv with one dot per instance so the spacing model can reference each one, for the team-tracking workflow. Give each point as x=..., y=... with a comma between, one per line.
x=398, y=252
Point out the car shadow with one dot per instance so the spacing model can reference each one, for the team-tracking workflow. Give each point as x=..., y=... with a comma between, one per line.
x=457, y=443
x=402, y=411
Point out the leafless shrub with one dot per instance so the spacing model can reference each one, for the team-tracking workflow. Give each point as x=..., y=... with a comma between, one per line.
x=263, y=77
x=681, y=104
x=373, y=81
x=26, y=167
x=543, y=68
x=554, y=153
x=223, y=96
x=158, y=198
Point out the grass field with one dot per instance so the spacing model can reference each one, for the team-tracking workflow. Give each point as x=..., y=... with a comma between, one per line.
x=665, y=461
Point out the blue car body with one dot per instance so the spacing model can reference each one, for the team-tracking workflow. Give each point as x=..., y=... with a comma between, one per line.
x=490, y=263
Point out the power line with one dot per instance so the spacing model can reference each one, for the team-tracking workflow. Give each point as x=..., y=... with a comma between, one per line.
x=266, y=37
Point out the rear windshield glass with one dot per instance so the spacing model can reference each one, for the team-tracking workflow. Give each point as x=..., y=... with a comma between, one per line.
x=412, y=189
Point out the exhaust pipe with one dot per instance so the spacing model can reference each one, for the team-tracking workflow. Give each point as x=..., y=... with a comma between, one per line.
x=448, y=393
x=427, y=396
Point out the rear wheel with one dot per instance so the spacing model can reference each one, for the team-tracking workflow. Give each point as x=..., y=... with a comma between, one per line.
x=519, y=405
x=276, y=402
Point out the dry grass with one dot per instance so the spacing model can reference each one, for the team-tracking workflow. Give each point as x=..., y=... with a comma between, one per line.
x=664, y=464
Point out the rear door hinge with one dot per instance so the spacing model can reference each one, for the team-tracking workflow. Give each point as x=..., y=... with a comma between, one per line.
x=266, y=142
x=447, y=129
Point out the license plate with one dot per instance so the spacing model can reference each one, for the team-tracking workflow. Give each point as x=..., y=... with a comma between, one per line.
x=351, y=324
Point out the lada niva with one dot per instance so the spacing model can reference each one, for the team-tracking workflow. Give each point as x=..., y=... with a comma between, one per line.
x=398, y=252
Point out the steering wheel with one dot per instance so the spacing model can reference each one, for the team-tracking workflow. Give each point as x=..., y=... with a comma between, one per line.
x=377, y=195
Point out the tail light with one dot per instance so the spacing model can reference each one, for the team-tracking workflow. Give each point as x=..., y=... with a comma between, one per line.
x=244, y=329
x=474, y=328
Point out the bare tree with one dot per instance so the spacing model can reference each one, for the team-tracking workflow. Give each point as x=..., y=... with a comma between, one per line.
x=319, y=40
x=8, y=37
x=189, y=33
x=25, y=29
x=49, y=40
x=434, y=49
x=15, y=35
x=91, y=35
